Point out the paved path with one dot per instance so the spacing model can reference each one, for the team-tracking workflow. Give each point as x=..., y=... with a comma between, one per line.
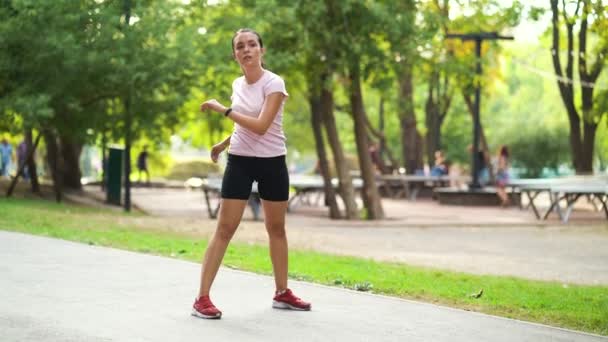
x=53, y=290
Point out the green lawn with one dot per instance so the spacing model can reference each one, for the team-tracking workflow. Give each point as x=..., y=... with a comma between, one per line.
x=571, y=306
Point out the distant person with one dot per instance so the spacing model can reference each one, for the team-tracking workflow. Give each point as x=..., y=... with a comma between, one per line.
x=21, y=159
x=455, y=173
x=142, y=165
x=483, y=172
x=257, y=153
x=6, y=155
x=440, y=166
x=502, y=175
x=376, y=158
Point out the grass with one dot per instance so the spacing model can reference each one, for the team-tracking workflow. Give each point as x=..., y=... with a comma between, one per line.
x=576, y=307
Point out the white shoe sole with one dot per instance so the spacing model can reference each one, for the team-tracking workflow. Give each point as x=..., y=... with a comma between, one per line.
x=200, y=315
x=281, y=305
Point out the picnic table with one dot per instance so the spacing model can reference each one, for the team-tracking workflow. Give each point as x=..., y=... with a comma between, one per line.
x=572, y=192
x=212, y=189
x=568, y=189
x=409, y=186
x=531, y=188
x=306, y=185
x=303, y=185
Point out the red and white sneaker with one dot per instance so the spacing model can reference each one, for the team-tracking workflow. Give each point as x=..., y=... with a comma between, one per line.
x=204, y=308
x=287, y=300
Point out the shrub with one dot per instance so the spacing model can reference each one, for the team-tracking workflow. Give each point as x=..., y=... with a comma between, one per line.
x=183, y=170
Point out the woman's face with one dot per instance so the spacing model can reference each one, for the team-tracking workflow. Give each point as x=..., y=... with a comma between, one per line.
x=247, y=50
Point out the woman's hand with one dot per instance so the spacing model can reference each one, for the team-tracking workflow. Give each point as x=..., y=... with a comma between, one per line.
x=216, y=150
x=213, y=105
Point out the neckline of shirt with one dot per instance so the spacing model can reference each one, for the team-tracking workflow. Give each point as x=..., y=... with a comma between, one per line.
x=264, y=72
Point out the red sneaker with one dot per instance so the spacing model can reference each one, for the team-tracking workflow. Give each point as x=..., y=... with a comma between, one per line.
x=287, y=300
x=203, y=308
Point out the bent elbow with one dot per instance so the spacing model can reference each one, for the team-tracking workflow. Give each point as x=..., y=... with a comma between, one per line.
x=262, y=130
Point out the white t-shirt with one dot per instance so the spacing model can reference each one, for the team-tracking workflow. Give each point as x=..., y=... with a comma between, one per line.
x=248, y=99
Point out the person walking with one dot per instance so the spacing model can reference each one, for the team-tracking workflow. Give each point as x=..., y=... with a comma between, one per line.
x=142, y=165
x=257, y=153
x=21, y=159
x=6, y=156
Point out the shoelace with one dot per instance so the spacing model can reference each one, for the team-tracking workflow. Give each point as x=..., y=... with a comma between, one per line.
x=206, y=303
x=290, y=294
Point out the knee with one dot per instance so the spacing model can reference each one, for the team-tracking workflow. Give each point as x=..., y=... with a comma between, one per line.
x=225, y=232
x=276, y=229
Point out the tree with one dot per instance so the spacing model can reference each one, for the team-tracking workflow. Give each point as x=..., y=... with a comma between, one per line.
x=66, y=82
x=583, y=122
x=354, y=22
x=403, y=37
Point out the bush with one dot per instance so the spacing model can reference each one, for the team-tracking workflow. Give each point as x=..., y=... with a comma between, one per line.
x=538, y=148
x=183, y=170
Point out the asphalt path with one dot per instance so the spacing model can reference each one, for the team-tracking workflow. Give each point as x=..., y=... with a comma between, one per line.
x=54, y=290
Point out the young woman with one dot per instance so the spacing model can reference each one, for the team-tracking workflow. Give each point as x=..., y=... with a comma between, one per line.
x=502, y=175
x=257, y=153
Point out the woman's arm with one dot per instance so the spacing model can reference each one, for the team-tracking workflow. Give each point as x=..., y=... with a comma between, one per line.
x=226, y=141
x=219, y=148
x=257, y=125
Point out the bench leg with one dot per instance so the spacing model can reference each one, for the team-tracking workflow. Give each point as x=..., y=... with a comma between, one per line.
x=531, y=203
x=211, y=211
x=604, y=201
x=591, y=199
x=555, y=198
x=570, y=200
x=254, y=204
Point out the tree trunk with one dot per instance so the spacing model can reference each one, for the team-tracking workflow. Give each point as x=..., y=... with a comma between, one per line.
x=383, y=150
x=370, y=194
x=31, y=161
x=104, y=172
x=55, y=163
x=347, y=191
x=410, y=137
x=483, y=142
x=70, y=151
x=581, y=143
x=433, y=133
x=589, y=129
x=323, y=164
x=482, y=135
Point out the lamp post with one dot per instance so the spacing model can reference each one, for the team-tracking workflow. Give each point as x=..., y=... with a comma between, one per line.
x=478, y=38
x=128, y=119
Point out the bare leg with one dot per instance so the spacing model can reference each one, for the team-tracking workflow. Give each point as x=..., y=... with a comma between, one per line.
x=231, y=212
x=274, y=219
x=502, y=194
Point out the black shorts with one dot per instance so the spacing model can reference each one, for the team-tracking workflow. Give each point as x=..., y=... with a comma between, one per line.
x=270, y=173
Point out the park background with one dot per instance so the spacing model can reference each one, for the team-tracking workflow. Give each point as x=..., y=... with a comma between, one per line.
x=373, y=72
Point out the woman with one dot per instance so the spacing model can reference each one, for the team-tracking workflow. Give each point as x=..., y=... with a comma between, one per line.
x=257, y=153
x=502, y=176
x=440, y=167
